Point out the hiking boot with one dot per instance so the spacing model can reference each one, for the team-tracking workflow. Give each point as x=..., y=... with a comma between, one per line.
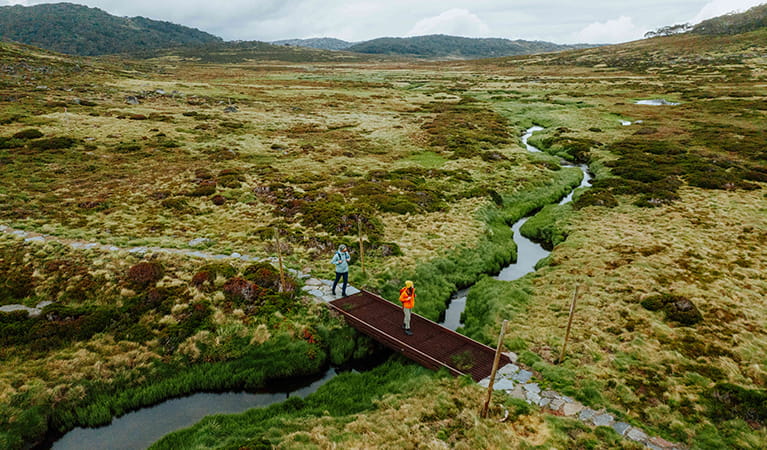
x=334, y=292
x=343, y=294
x=408, y=332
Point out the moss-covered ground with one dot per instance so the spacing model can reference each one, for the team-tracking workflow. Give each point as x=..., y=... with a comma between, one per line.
x=425, y=159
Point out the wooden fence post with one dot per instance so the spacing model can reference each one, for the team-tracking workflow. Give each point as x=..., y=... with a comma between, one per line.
x=362, y=249
x=497, y=359
x=279, y=257
x=569, y=324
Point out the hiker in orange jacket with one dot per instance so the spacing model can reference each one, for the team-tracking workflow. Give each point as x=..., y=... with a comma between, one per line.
x=407, y=297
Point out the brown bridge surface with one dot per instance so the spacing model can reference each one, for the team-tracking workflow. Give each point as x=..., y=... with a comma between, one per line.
x=431, y=344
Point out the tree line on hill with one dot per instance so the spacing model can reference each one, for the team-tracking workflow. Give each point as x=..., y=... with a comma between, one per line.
x=84, y=31
x=750, y=20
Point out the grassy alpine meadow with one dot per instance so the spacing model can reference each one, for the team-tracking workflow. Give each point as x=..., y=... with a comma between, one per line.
x=425, y=160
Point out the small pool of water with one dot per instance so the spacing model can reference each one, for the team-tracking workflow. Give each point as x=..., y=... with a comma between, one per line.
x=656, y=102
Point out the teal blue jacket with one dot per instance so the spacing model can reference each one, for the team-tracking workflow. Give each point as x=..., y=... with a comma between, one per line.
x=341, y=260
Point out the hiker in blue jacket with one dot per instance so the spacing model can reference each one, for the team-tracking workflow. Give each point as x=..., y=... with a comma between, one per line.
x=341, y=260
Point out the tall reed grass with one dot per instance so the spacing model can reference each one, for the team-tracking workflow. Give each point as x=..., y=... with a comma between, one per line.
x=438, y=279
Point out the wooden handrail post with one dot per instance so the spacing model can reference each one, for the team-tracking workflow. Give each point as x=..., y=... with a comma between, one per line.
x=362, y=249
x=279, y=258
x=569, y=324
x=497, y=359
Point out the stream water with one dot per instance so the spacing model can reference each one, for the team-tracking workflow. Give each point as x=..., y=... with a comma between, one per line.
x=528, y=252
x=139, y=429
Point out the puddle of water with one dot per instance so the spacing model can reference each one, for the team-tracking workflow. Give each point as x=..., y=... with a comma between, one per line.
x=656, y=102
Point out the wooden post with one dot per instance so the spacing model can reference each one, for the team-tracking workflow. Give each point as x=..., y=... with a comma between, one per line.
x=279, y=257
x=497, y=359
x=569, y=324
x=362, y=249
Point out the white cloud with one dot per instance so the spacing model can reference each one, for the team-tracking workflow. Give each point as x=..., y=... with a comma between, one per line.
x=456, y=22
x=613, y=31
x=721, y=7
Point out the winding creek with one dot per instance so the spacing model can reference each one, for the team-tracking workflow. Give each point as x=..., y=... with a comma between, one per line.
x=528, y=252
x=139, y=429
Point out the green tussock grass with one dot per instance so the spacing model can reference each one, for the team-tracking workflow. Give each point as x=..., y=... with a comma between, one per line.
x=436, y=280
x=340, y=399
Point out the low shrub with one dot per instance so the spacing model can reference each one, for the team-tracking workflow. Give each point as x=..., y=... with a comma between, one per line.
x=595, y=197
x=127, y=147
x=240, y=291
x=205, y=189
x=221, y=269
x=54, y=143
x=6, y=143
x=264, y=275
x=16, y=276
x=29, y=133
x=676, y=308
x=176, y=203
x=727, y=401
x=144, y=274
x=203, y=281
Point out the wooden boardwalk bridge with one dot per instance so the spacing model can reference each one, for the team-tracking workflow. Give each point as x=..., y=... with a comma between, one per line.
x=431, y=344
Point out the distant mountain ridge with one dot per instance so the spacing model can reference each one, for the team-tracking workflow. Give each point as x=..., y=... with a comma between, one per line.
x=436, y=46
x=456, y=47
x=80, y=30
x=324, y=43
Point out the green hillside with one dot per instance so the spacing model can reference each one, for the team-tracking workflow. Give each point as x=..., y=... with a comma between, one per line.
x=751, y=20
x=79, y=30
x=319, y=43
x=244, y=51
x=443, y=46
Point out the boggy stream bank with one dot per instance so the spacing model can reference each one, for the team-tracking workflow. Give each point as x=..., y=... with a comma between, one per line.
x=140, y=428
x=528, y=252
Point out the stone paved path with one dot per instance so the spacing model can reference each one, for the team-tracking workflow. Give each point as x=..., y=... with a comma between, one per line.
x=511, y=378
x=519, y=383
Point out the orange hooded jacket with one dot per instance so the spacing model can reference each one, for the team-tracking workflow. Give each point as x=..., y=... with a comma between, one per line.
x=407, y=297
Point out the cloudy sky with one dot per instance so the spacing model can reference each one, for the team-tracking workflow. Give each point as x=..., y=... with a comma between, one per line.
x=560, y=21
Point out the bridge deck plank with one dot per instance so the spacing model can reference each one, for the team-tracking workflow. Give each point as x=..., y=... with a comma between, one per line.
x=431, y=344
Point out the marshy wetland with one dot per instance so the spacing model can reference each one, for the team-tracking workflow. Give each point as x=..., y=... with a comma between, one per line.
x=425, y=160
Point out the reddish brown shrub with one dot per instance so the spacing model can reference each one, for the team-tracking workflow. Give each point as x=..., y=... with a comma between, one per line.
x=240, y=290
x=218, y=200
x=203, y=280
x=264, y=275
x=145, y=273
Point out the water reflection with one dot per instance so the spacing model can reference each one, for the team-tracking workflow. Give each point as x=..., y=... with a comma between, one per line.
x=139, y=429
x=528, y=252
